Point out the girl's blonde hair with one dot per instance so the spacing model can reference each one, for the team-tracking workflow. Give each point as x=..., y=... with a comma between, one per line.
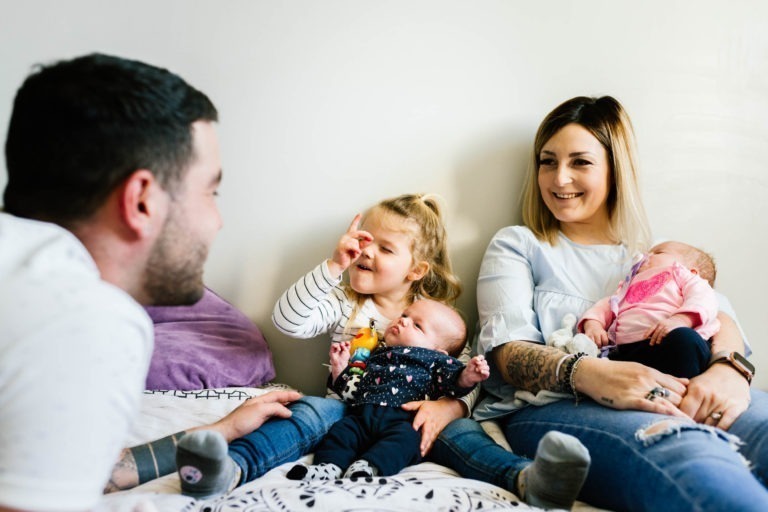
x=609, y=123
x=421, y=215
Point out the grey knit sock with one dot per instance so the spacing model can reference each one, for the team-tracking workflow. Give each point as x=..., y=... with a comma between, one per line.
x=322, y=471
x=360, y=469
x=557, y=473
x=204, y=467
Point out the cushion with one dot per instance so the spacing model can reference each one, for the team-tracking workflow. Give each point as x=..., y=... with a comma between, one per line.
x=210, y=344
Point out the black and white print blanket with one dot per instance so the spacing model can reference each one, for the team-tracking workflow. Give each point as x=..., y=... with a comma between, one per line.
x=423, y=487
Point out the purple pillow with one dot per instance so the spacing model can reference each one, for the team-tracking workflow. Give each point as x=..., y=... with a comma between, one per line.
x=210, y=344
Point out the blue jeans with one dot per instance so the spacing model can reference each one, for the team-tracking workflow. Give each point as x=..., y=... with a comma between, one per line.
x=683, y=467
x=282, y=440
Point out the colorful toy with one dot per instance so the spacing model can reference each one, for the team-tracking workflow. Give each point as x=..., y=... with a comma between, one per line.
x=364, y=342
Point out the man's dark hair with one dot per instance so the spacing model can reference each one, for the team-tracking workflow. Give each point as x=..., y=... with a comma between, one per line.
x=80, y=127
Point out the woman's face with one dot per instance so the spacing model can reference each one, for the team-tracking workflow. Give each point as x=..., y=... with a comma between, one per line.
x=575, y=178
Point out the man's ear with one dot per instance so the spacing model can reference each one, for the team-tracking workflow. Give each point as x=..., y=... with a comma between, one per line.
x=141, y=201
x=418, y=271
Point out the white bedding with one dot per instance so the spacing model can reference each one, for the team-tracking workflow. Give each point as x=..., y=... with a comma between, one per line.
x=422, y=487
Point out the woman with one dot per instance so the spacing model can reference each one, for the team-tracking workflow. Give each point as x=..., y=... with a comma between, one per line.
x=584, y=221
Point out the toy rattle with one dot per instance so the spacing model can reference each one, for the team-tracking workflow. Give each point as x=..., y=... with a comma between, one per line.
x=364, y=342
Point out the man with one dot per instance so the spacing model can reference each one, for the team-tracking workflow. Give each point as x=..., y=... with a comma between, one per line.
x=113, y=167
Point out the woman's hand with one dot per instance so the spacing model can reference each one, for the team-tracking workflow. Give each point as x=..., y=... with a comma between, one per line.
x=720, y=391
x=616, y=384
x=627, y=385
x=252, y=413
x=432, y=417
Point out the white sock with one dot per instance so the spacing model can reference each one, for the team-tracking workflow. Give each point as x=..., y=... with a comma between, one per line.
x=322, y=471
x=558, y=471
x=360, y=469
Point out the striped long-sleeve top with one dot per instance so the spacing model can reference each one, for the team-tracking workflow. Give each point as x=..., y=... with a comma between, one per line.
x=317, y=304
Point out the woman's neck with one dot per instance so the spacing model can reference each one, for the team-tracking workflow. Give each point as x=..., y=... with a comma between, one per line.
x=587, y=233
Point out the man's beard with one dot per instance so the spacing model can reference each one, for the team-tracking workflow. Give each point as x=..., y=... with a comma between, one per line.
x=174, y=274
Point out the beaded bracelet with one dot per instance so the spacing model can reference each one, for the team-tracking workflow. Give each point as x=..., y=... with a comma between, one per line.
x=569, y=373
x=565, y=382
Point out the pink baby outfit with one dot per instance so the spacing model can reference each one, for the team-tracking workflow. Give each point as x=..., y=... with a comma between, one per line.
x=651, y=296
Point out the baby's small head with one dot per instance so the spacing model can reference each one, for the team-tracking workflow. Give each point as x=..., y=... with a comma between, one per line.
x=428, y=324
x=696, y=260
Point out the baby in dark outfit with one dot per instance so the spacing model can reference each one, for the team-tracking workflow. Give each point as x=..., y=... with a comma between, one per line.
x=417, y=361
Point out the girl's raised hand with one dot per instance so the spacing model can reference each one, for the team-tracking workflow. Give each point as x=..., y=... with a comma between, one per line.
x=350, y=245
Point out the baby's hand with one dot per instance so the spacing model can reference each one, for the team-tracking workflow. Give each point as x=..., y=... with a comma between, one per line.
x=339, y=355
x=350, y=245
x=659, y=331
x=477, y=370
x=596, y=332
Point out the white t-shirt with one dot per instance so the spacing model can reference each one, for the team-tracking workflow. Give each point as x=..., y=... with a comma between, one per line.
x=74, y=353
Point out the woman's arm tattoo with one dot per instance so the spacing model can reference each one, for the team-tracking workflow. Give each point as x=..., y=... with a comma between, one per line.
x=529, y=366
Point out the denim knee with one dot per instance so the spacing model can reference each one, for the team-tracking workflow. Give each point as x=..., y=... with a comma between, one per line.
x=281, y=440
x=466, y=448
x=459, y=427
x=317, y=413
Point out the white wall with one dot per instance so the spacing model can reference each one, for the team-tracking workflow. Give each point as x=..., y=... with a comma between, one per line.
x=327, y=107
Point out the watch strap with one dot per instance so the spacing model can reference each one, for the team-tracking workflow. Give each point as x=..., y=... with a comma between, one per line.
x=741, y=365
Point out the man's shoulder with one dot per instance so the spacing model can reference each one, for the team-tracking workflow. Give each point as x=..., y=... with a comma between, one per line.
x=36, y=250
x=47, y=277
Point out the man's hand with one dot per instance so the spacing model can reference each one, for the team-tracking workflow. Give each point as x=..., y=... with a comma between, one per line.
x=252, y=413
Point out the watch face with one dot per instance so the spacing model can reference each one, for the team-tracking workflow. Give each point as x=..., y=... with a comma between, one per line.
x=742, y=361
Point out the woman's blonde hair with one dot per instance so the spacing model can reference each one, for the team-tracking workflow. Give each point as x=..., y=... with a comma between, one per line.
x=421, y=215
x=609, y=123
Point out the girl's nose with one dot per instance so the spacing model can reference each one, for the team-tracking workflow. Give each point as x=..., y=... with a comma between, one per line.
x=367, y=251
x=405, y=321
